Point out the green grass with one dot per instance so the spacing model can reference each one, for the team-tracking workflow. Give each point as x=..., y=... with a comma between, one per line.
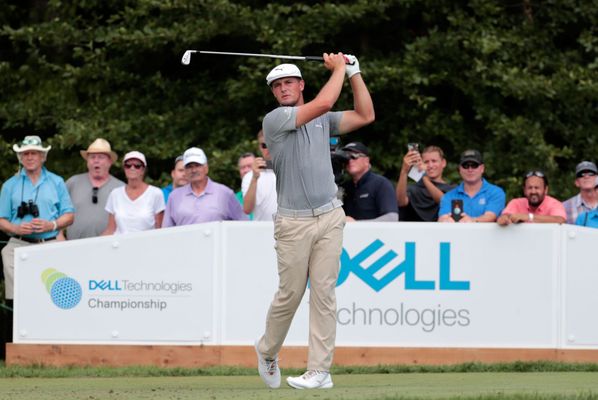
x=510, y=381
x=450, y=385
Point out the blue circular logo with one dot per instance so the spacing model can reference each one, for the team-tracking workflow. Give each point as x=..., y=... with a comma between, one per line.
x=66, y=293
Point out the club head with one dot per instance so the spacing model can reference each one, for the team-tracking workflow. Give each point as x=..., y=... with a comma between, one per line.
x=186, y=60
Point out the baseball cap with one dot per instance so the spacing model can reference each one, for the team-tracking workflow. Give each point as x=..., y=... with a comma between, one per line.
x=283, y=71
x=585, y=166
x=135, y=154
x=194, y=155
x=471, y=155
x=357, y=147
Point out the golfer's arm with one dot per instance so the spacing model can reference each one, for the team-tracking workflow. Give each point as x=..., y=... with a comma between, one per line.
x=249, y=198
x=363, y=112
x=324, y=101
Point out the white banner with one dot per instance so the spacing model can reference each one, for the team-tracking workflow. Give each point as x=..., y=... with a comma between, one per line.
x=405, y=284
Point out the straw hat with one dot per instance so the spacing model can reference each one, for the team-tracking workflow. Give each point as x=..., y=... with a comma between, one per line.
x=99, y=146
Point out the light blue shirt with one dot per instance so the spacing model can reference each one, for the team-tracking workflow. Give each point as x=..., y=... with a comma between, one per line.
x=588, y=218
x=49, y=193
x=489, y=198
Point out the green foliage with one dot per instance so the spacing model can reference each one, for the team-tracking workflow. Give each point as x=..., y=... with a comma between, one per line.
x=520, y=84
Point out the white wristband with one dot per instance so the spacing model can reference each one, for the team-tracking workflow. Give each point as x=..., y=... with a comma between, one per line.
x=530, y=216
x=55, y=225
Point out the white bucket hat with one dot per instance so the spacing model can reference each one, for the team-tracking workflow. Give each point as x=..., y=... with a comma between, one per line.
x=283, y=71
x=31, y=143
x=99, y=146
x=196, y=155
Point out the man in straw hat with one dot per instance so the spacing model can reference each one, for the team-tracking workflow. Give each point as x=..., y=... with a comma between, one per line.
x=90, y=191
x=34, y=205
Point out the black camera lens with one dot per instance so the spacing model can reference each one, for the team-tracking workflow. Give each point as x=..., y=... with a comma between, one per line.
x=22, y=210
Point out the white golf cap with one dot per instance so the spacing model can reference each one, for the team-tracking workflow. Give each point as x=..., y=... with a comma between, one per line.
x=283, y=71
x=135, y=154
x=194, y=155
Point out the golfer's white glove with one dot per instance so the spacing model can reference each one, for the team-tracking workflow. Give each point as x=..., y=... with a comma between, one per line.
x=352, y=69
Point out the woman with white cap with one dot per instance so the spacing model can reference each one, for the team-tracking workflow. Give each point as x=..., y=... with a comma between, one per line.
x=136, y=206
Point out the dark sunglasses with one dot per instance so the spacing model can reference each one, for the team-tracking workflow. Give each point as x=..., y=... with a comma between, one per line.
x=539, y=174
x=94, y=195
x=586, y=173
x=470, y=165
x=355, y=156
x=263, y=145
x=133, y=165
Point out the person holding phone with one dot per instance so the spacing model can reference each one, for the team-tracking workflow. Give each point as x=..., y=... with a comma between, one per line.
x=482, y=201
x=420, y=201
x=259, y=185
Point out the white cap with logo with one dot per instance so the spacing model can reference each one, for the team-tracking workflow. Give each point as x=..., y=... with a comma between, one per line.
x=283, y=71
x=194, y=155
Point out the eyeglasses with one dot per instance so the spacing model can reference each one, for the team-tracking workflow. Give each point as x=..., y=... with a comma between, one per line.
x=134, y=165
x=263, y=145
x=355, y=156
x=539, y=174
x=470, y=165
x=94, y=195
x=583, y=174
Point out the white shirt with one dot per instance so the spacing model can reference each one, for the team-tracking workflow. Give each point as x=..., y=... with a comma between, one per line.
x=266, y=201
x=135, y=215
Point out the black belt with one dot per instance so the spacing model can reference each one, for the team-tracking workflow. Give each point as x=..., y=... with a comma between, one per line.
x=34, y=240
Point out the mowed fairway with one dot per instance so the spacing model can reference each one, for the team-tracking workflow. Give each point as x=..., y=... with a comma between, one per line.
x=533, y=385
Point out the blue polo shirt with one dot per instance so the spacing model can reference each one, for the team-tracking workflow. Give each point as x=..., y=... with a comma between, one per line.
x=489, y=198
x=49, y=193
x=372, y=197
x=588, y=218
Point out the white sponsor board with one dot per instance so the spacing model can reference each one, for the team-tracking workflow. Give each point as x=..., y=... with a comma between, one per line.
x=405, y=284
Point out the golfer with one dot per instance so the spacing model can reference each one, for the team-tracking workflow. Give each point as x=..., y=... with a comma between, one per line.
x=308, y=226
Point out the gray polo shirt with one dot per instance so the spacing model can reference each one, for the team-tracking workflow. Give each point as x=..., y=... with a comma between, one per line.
x=301, y=157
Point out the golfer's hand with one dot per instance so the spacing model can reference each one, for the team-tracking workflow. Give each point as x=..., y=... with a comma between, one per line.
x=334, y=61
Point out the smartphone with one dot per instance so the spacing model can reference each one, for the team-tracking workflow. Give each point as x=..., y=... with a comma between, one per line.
x=412, y=146
x=268, y=165
x=456, y=209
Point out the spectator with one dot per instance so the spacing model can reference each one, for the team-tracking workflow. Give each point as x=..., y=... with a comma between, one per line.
x=34, y=205
x=200, y=200
x=136, y=206
x=244, y=165
x=179, y=178
x=586, y=199
x=536, y=205
x=259, y=185
x=367, y=196
x=482, y=201
x=89, y=191
x=589, y=218
x=420, y=201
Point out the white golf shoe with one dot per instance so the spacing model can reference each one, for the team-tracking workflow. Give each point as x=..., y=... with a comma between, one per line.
x=268, y=369
x=312, y=379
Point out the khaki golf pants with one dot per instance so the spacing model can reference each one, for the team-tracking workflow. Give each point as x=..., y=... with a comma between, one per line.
x=8, y=262
x=306, y=247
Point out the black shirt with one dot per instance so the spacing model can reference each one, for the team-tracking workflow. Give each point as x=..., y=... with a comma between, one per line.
x=422, y=206
x=371, y=197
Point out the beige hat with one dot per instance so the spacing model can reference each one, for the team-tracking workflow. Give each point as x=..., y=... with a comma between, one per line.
x=31, y=143
x=99, y=146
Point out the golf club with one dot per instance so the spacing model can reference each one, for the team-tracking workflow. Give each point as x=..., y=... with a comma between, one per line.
x=186, y=60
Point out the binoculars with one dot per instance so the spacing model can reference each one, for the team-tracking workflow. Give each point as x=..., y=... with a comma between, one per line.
x=27, y=208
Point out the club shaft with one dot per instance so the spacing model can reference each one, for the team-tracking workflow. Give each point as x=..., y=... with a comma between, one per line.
x=284, y=57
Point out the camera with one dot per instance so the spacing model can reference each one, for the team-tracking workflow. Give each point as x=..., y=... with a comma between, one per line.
x=28, y=208
x=456, y=209
x=268, y=165
x=339, y=159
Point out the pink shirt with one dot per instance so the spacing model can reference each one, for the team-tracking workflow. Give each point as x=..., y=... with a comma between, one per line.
x=550, y=206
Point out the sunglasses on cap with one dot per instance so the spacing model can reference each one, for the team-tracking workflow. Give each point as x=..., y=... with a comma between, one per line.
x=133, y=165
x=355, y=156
x=583, y=174
x=470, y=165
x=539, y=174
